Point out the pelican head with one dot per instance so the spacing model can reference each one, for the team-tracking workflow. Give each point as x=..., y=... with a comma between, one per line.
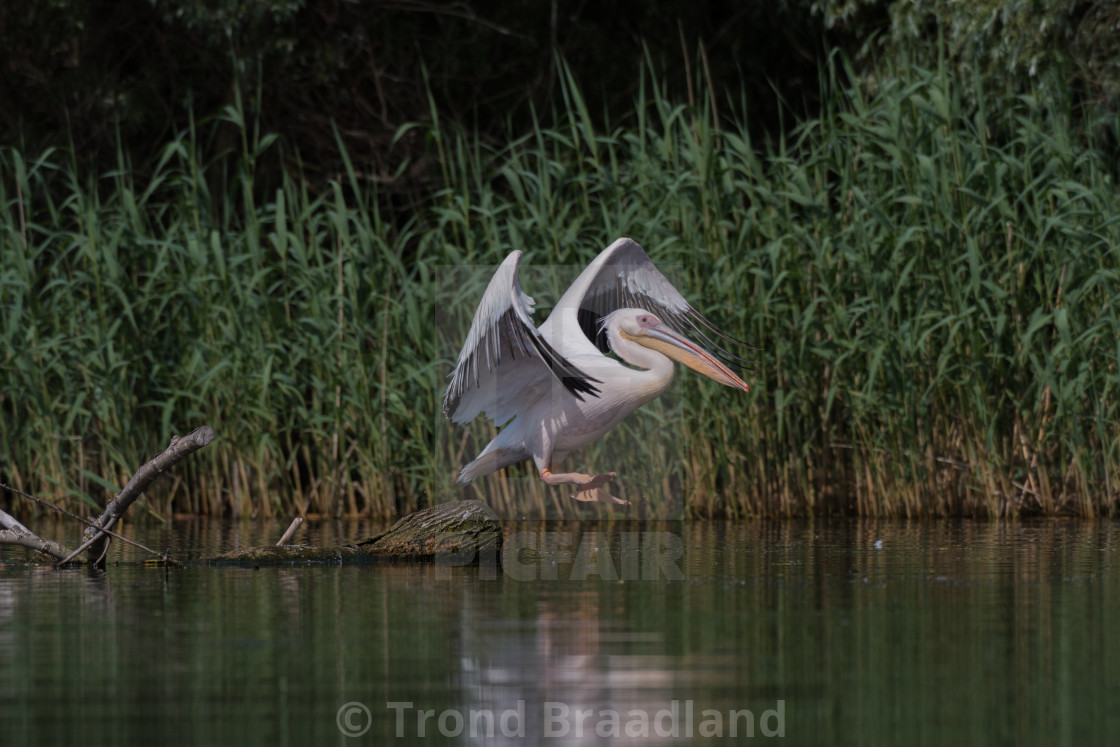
x=643, y=328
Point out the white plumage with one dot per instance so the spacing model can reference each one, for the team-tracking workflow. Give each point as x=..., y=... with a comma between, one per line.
x=553, y=387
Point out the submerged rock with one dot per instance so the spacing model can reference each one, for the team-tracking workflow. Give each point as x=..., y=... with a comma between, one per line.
x=457, y=533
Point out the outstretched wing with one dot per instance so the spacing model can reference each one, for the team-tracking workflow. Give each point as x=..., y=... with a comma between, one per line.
x=623, y=276
x=505, y=355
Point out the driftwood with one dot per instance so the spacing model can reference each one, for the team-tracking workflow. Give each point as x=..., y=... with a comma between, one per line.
x=18, y=534
x=457, y=533
x=97, y=531
x=291, y=530
x=15, y=533
x=97, y=542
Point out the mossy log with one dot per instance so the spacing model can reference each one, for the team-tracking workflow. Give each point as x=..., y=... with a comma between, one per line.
x=457, y=533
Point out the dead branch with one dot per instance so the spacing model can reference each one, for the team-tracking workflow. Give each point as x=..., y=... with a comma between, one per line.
x=18, y=530
x=11, y=523
x=290, y=531
x=15, y=533
x=179, y=448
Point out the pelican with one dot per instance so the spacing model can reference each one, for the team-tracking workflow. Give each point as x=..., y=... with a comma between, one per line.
x=553, y=387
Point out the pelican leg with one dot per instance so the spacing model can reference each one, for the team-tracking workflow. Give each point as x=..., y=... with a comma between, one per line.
x=587, y=482
x=588, y=485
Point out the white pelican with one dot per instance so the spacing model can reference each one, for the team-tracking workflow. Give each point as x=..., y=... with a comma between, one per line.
x=553, y=387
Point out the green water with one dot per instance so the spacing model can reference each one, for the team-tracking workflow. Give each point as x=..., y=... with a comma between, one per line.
x=947, y=632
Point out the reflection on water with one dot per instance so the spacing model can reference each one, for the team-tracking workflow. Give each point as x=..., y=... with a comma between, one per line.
x=943, y=632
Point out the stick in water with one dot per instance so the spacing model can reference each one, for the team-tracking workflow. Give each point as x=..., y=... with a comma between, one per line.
x=291, y=530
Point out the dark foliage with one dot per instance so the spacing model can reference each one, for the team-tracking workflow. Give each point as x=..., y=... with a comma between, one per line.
x=132, y=72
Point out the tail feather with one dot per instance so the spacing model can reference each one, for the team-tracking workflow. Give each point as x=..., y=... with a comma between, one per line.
x=490, y=461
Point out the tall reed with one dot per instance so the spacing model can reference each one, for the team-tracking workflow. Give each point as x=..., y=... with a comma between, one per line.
x=933, y=293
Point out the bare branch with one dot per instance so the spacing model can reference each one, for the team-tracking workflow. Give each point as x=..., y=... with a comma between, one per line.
x=18, y=534
x=290, y=531
x=179, y=448
x=10, y=522
x=15, y=533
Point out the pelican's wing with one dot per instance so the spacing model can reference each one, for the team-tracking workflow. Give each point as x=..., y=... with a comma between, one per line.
x=505, y=354
x=623, y=276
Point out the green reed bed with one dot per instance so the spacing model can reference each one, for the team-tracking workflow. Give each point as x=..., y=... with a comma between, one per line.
x=933, y=292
